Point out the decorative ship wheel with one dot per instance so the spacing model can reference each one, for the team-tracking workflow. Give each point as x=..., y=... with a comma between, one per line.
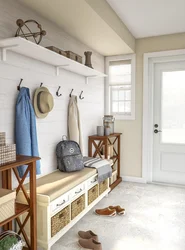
x=25, y=31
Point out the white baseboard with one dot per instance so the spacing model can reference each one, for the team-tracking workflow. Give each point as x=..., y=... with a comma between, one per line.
x=133, y=179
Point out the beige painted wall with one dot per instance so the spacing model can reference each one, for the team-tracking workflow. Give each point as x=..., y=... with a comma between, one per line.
x=131, y=152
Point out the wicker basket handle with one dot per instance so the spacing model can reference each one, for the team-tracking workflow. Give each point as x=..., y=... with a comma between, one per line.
x=78, y=202
x=61, y=215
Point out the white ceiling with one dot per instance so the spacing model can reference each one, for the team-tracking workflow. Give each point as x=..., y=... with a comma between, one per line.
x=146, y=18
x=79, y=19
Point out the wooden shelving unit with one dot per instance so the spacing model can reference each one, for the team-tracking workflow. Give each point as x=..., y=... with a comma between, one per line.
x=37, y=52
x=96, y=144
x=30, y=207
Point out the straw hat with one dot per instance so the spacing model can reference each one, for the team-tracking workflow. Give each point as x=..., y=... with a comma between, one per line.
x=43, y=102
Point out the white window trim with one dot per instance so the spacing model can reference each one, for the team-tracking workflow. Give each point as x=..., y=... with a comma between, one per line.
x=108, y=59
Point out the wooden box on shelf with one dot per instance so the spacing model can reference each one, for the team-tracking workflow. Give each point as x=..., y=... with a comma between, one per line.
x=59, y=51
x=74, y=56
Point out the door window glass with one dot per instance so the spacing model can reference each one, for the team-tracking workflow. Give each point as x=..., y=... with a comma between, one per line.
x=173, y=107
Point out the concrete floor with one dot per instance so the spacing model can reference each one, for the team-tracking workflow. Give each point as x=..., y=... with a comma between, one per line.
x=154, y=220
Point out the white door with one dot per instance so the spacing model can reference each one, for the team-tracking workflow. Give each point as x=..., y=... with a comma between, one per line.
x=169, y=123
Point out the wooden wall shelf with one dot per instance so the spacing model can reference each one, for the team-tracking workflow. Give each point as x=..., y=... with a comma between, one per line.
x=37, y=52
x=7, y=170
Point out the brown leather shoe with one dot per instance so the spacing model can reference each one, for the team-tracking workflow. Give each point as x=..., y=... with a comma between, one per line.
x=106, y=212
x=119, y=210
x=90, y=244
x=88, y=235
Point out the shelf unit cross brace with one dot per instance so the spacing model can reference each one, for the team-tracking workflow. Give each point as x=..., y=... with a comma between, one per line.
x=4, y=50
x=59, y=67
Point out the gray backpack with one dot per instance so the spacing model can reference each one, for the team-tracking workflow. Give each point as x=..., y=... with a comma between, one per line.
x=69, y=156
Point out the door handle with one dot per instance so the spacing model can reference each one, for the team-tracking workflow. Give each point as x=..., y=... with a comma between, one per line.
x=156, y=131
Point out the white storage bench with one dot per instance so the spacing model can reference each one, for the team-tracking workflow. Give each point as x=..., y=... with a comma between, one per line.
x=62, y=200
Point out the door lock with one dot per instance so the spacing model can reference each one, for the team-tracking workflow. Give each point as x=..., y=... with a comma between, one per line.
x=156, y=131
x=156, y=126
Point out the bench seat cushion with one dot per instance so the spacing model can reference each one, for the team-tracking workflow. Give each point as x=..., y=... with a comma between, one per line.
x=53, y=185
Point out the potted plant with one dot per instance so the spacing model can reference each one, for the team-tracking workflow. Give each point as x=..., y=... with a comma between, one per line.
x=9, y=240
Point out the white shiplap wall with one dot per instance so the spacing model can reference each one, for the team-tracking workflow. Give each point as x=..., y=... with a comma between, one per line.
x=50, y=129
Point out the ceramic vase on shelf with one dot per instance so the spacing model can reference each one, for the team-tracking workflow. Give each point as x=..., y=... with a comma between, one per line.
x=108, y=121
x=100, y=130
x=88, y=55
x=107, y=131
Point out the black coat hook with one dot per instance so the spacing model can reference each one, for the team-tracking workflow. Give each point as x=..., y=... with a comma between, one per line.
x=71, y=93
x=80, y=96
x=19, y=86
x=57, y=93
x=41, y=84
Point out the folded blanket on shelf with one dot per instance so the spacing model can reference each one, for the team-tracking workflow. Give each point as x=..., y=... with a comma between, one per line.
x=103, y=167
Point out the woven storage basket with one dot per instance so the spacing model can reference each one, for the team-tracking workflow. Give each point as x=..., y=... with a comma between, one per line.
x=92, y=194
x=74, y=56
x=77, y=206
x=60, y=220
x=2, y=138
x=78, y=58
x=7, y=203
x=113, y=178
x=103, y=186
x=59, y=51
x=7, y=153
x=71, y=55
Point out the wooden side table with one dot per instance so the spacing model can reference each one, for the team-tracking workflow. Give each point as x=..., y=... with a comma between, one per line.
x=30, y=207
x=96, y=144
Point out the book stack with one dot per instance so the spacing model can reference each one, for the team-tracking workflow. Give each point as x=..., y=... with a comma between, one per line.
x=7, y=151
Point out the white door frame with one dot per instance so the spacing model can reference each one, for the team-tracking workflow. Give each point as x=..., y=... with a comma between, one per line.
x=148, y=65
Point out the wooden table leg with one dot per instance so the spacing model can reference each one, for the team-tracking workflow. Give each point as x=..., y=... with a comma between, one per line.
x=90, y=147
x=4, y=179
x=33, y=218
x=119, y=156
x=106, y=148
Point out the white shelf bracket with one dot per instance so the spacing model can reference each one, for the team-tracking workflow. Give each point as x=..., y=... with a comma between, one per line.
x=59, y=67
x=3, y=56
x=4, y=51
x=88, y=77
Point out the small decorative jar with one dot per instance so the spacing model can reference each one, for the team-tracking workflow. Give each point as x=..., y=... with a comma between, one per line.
x=107, y=131
x=100, y=130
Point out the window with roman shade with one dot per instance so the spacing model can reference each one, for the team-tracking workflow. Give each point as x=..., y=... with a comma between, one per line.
x=121, y=87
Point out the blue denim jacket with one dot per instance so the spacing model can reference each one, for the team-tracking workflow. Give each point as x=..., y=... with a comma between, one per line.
x=25, y=129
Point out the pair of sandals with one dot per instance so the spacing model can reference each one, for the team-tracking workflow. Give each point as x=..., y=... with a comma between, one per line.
x=89, y=240
x=110, y=211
